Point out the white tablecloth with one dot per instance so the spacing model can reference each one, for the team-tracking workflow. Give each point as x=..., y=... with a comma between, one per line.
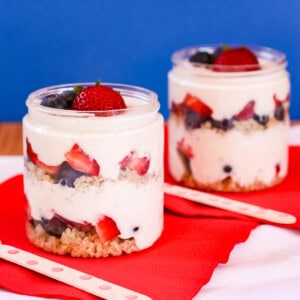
x=266, y=266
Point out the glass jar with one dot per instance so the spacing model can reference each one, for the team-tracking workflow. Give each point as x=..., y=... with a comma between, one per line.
x=228, y=129
x=93, y=180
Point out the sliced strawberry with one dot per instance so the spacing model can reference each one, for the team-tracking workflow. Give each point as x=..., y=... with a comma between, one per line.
x=140, y=165
x=134, y=163
x=185, y=149
x=126, y=160
x=178, y=108
x=35, y=159
x=48, y=169
x=236, y=60
x=30, y=153
x=81, y=162
x=98, y=97
x=107, y=229
x=277, y=169
x=278, y=101
x=197, y=105
x=247, y=112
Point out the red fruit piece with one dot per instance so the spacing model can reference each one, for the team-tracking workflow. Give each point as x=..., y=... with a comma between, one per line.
x=106, y=229
x=31, y=154
x=197, y=105
x=236, y=60
x=185, y=149
x=178, y=108
x=134, y=163
x=277, y=169
x=247, y=112
x=81, y=162
x=48, y=169
x=278, y=101
x=35, y=159
x=98, y=97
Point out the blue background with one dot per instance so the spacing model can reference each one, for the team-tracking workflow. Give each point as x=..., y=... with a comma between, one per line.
x=45, y=43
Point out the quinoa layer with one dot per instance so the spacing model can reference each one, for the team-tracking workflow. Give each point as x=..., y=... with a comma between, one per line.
x=77, y=243
x=228, y=185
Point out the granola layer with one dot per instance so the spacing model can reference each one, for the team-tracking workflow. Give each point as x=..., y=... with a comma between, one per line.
x=78, y=243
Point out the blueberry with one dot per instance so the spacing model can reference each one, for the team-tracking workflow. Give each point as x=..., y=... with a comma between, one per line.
x=54, y=226
x=67, y=175
x=261, y=119
x=136, y=228
x=193, y=120
x=202, y=57
x=279, y=112
x=60, y=101
x=227, y=168
x=224, y=124
x=55, y=101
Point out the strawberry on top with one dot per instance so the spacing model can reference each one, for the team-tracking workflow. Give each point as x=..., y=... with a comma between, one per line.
x=91, y=98
x=98, y=97
x=236, y=59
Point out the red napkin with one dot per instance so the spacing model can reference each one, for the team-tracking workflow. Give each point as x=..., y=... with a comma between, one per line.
x=176, y=267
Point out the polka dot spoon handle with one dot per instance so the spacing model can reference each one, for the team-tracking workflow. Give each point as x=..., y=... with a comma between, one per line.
x=239, y=207
x=80, y=280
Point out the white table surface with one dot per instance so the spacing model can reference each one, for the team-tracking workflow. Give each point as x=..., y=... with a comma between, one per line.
x=266, y=266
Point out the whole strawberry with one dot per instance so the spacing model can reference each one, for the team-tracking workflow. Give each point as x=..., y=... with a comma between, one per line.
x=236, y=60
x=98, y=97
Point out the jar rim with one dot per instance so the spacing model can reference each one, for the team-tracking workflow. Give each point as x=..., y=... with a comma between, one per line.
x=270, y=60
x=148, y=101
